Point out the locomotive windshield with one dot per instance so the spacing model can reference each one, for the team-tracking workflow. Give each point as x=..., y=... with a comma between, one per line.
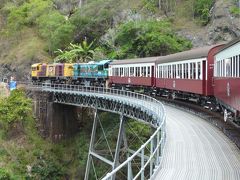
x=106, y=66
x=100, y=67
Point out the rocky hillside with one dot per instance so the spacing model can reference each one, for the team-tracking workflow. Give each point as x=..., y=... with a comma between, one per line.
x=223, y=26
x=33, y=31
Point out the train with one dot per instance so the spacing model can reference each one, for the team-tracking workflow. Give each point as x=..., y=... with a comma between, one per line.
x=209, y=76
x=88, y=74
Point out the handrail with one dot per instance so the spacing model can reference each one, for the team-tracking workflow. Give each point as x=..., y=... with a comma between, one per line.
x=156, y=141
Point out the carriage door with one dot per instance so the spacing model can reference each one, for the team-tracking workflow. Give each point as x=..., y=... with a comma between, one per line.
x=152, y=76
x=203, y=77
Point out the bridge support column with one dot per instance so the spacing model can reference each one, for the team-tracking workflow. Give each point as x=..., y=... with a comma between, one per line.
x=62, y=121
x=121, y=140
x=55, y=121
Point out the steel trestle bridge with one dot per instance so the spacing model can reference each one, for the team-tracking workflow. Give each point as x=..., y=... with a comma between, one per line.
x=127, y=104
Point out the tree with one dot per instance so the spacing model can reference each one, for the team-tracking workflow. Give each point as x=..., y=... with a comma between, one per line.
x=83, y=52
x=15, y=108
x=143, y=39
x=56, y=30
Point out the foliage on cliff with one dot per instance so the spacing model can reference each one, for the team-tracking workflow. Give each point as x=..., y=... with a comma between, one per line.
x=143, y=39
x=14, y=108
x=57, y=27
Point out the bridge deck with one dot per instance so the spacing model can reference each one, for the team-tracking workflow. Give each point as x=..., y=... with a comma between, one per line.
x=197, y=150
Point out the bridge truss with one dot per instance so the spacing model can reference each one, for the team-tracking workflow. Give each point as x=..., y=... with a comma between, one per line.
x=127, y=104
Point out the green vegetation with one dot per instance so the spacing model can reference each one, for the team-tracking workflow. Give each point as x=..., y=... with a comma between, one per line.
x=235, y=10
x=14, y=108
x=202, y=10
x=143, y=39
x=76, y=53
x=52, y=26
x=25, y=155
x=56, y=30
x=93, y=22
x=4, y=175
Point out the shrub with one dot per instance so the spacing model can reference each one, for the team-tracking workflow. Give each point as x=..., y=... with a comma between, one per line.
x=235, y=11
x=25, y=14
x=56, y=30
x=145, y=38
x=202, y=10
x=93, y=19
x=4, y=175
x=14, y=108
x=45, y=169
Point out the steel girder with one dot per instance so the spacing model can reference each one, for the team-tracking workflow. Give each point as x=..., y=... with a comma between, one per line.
x=111, y=105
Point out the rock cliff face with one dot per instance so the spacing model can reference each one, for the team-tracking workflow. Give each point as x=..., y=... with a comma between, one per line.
x=223, y=27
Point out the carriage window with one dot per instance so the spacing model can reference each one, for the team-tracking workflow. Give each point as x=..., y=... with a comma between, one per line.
x=117, y=71
x=199, y=70
x=174, y=71
x=131, y=71
x=228, y=67
x=148, y=72
x=177, y=71
x=194, y=70
x=238, y=66
x=182, y=71
x=169, y=71
x=221, y=68
x=164, y=71
x=190, y=65
x=113, y=72
x=137, y=71
x=186, y=70
x=143, y=72
x=34, y=68
x=159, y=71
x=233, y=67
x=121, y=72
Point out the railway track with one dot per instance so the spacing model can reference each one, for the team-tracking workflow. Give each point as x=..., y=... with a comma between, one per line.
x=229, y=128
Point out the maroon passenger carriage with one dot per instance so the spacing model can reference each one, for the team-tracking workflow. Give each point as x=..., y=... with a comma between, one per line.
x=187, y=75
x=227, y=79
x=129, y=73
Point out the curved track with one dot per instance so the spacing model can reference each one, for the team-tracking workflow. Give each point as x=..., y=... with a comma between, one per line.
x=197, y=150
